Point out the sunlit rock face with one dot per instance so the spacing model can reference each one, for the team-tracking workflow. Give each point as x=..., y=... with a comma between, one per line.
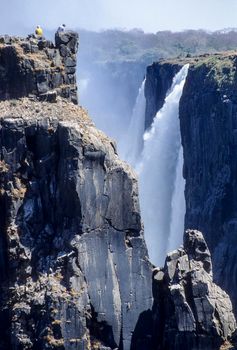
x=38, y=68
x=74, y=263
x=74, y=270
x=196, y=313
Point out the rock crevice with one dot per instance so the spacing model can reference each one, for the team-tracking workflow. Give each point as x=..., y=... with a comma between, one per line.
x=64, y=259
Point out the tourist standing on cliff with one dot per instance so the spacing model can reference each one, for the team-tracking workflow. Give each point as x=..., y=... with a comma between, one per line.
x=61, y=28
x=39, y=32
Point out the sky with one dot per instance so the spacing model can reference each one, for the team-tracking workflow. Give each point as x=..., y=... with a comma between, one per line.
x=20, y=16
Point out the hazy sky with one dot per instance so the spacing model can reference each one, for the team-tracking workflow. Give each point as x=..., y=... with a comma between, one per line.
x=19, y=16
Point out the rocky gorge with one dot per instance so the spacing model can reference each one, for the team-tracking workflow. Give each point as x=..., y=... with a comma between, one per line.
x=74, y=272
x=207, y=115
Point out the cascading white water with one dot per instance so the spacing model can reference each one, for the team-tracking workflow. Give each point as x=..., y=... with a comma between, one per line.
x=160, y=173
x=132, y=144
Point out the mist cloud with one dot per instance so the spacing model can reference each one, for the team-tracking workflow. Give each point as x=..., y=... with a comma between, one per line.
x=18, y=16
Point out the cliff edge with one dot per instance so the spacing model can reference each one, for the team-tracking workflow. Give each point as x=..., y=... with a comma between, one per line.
x=208, y=114
x=74, y=270
x=38, y=68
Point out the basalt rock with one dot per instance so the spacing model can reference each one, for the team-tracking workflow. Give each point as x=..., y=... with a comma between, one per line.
x=208, y=115
x=74, y=270
x=37, y=68
x=190, y=310
x=158, y=81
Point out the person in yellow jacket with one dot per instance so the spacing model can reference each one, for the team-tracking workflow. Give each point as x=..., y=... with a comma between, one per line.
x=39, y=31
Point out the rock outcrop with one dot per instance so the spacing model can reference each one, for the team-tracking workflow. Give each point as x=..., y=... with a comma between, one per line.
x=74, y=270
x=38, y=68
x=158, y=81
x=208, y=128
x=190, y=310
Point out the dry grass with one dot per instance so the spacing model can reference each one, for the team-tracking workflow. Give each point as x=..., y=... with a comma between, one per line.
x=56, y=322
x=2, y=191
x=54, y=342
x=19, y=193
x=3, y=167
x=226, y=346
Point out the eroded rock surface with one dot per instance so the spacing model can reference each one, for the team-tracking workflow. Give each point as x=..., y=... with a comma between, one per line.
x=159, y=79
x=74, y=269
x=208, y=114
x=190, y=310
x=38, y=68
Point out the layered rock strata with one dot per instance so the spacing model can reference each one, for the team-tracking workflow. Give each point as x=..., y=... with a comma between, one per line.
x=74, y=270
x=190, y=310
x=38, y=68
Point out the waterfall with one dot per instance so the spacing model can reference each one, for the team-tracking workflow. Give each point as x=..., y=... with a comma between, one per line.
x=160, y=176
x=133, y=141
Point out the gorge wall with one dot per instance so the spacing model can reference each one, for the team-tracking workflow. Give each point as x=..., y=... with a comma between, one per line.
x=74, y=269
x=208, y=112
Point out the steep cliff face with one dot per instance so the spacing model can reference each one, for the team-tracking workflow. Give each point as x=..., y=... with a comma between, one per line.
x=74, y=270
x=208, y=111
x=208, y=114
x=74, y=264
x=158, y=81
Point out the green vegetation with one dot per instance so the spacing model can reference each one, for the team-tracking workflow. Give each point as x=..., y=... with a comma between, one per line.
x=221, y=67
x=223, y=71
x=135, y=45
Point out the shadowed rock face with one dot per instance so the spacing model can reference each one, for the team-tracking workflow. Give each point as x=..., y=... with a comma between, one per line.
x=208, y=110
x=190, y=311
x=158, y=81
x=74, y=269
